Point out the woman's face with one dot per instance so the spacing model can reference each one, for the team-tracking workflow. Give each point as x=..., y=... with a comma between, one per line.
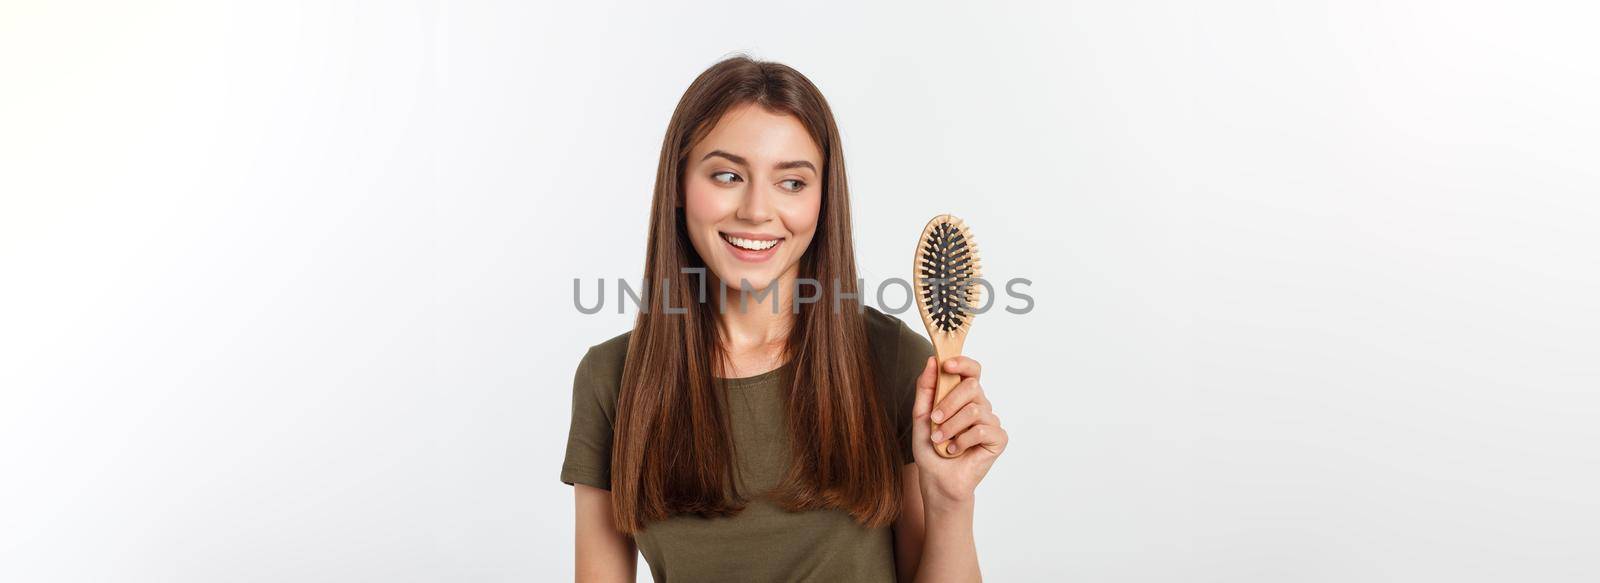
x=752, y=192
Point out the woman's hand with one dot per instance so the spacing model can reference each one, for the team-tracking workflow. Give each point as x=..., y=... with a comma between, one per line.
x=967, y=424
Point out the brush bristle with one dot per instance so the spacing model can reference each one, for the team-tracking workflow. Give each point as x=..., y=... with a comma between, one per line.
x=947, y=267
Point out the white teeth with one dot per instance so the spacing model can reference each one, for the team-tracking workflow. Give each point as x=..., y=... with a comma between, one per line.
x=751, y=244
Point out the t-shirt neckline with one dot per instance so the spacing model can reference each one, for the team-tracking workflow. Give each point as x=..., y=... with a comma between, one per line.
x=756, y=379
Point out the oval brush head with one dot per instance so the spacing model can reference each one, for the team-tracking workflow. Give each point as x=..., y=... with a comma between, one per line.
x=945, y=277
x=947, y=267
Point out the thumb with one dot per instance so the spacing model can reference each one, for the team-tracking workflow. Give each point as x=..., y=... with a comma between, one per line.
x=923, y=404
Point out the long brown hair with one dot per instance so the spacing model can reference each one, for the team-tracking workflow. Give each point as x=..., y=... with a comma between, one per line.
x=672, y=448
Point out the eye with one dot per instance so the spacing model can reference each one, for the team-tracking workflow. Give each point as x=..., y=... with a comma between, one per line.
x=731, y=177
x=798, y=185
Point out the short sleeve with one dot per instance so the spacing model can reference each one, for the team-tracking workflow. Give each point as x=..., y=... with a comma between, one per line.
x=588, y=459
x=911, y=355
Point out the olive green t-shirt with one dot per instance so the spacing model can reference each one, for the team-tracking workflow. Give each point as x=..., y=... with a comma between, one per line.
x=763, y=542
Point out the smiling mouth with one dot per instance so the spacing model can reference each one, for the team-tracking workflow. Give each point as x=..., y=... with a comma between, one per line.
x=751, y=245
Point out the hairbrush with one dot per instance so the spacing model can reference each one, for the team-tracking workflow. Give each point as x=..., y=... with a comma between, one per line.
x=945, y=276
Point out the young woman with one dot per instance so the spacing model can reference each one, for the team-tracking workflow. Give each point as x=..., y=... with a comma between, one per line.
x=761, y=438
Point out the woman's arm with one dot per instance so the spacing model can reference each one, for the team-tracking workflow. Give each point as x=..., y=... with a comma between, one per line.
x=949, y=552
x=936, y=541
x=941, y=490
x=909, y=527
x=603, y=554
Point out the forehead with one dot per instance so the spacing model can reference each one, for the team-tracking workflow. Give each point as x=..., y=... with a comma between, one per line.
x=752, y=131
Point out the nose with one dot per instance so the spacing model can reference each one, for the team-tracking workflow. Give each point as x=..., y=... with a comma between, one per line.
x=755, y=206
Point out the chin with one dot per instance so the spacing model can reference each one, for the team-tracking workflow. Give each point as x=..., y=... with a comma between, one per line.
x=758, y=281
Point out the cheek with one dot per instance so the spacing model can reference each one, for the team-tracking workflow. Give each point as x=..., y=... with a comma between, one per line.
x=801, y=214
x=701, y=205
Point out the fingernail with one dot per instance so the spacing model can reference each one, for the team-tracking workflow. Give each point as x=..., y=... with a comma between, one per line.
x=951, y=449
x=938, y=436
x=938, y=415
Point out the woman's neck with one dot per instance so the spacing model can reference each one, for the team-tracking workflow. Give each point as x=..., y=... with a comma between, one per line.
x=752, y=335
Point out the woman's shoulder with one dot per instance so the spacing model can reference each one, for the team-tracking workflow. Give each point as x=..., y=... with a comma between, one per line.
x=614, y=348
x=893, y=334
x=898, y=349
x=601, y=366
x=900, y=354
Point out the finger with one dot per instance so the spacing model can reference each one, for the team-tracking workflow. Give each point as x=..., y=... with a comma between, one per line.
x=923, y=401
x=964, y=366
x=925, y=385
x=968, y=416
x=987, y=436
x=966, y=391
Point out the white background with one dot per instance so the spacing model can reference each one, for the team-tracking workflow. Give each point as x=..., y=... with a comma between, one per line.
x=286, y=286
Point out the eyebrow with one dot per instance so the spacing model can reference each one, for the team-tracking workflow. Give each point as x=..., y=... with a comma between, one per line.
x=737, y=159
